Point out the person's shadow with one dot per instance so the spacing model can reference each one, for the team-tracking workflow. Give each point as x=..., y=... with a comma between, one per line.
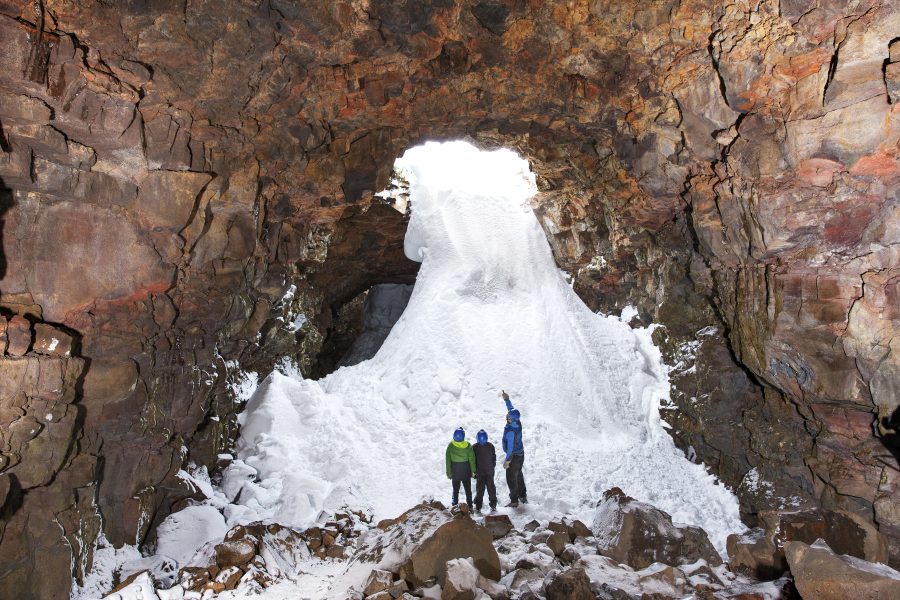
x=891, y=439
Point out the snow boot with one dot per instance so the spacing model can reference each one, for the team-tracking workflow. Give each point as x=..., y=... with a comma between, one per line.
x=523, y=500
x=512, y=504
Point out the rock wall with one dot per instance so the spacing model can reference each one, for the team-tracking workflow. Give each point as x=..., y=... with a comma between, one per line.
x=181, y=184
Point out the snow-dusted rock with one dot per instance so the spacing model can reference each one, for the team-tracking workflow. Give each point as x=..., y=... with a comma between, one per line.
x=378, y=580
x=461, y=580
x=760, y=553
x=755, y=554
x=418, y=544
x=638, y=534
x=821, y=574
x=578, y=529
x=662, y=579
x=235, y=553
x=493, y=589
x=140, y=588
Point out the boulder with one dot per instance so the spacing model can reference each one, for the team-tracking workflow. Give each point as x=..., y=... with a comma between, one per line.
x=844, y=532
x=456, y=538
x=569, y=555
x=230, y=577
x=493, y=589
x=570, y=585
x=754, y=554
x=419, y=543
x=579, y=529
x=3, y=337
x=662, y=579
x=517, y=579
x=377, y=581
x=498, y=525
x=314, y=537
x=398, y=588
x=51, y=340
x=760, y=553
x=19, y=336
x=461, y=580
x=639, y=535
x=557, y=542
x=531, y=525
x=558, y=527
x=821, y=574
x=235, y=553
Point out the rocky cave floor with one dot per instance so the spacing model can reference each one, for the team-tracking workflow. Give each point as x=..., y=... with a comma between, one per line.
x=631, y=551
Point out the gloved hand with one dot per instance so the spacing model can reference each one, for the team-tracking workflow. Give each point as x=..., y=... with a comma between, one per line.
x=505, y=464
x=505, y=395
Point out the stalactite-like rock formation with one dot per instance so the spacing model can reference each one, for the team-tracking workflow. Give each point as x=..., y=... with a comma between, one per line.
x=169, y=174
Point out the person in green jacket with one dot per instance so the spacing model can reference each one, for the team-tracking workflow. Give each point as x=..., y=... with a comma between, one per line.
x=460, y=465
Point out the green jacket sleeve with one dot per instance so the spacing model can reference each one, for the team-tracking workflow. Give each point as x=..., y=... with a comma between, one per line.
x=447, y=459
x=470, y=451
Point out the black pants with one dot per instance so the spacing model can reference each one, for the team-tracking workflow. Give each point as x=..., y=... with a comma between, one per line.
x=485, y=481
x=461, y=474
x=514, y=478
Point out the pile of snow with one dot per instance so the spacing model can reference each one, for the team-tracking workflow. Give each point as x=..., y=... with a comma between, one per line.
x=489, y=311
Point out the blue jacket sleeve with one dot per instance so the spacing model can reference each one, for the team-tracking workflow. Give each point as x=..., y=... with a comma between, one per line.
x=509, y=405
x=509, y=441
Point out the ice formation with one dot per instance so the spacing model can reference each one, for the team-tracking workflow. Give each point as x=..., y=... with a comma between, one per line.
x=489, y=311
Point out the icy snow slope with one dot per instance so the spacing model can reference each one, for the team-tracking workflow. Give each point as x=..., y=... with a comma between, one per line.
x=489, y=311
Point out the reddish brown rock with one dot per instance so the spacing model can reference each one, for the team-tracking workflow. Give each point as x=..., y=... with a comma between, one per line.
x=418, y=544
x=498, y=525
x=557, y=542
x=51, y=340
x=761, y=553
x=570, y=585
x=637, y=534
x=235, y=554
x=820, y=573
x=230, y=577
x=4, y=339
x=20, y=336
x=377, y=581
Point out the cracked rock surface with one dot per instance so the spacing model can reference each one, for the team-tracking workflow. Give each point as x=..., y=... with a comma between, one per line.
x=180, y=184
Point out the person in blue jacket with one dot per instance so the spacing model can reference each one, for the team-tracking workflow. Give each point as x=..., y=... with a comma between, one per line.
x=515, y=455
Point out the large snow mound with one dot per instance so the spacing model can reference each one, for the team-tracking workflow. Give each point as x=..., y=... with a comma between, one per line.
x=489, y=311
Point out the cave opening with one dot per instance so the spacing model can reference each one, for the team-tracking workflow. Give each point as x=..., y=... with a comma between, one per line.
x=376, y=278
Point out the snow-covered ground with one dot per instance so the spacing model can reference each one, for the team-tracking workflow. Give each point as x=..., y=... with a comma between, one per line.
x=490, y=311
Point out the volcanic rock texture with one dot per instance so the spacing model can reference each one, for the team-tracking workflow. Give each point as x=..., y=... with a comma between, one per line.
x=180, y=183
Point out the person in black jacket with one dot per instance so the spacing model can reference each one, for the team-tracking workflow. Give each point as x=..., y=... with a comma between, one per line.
x=485, y=461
